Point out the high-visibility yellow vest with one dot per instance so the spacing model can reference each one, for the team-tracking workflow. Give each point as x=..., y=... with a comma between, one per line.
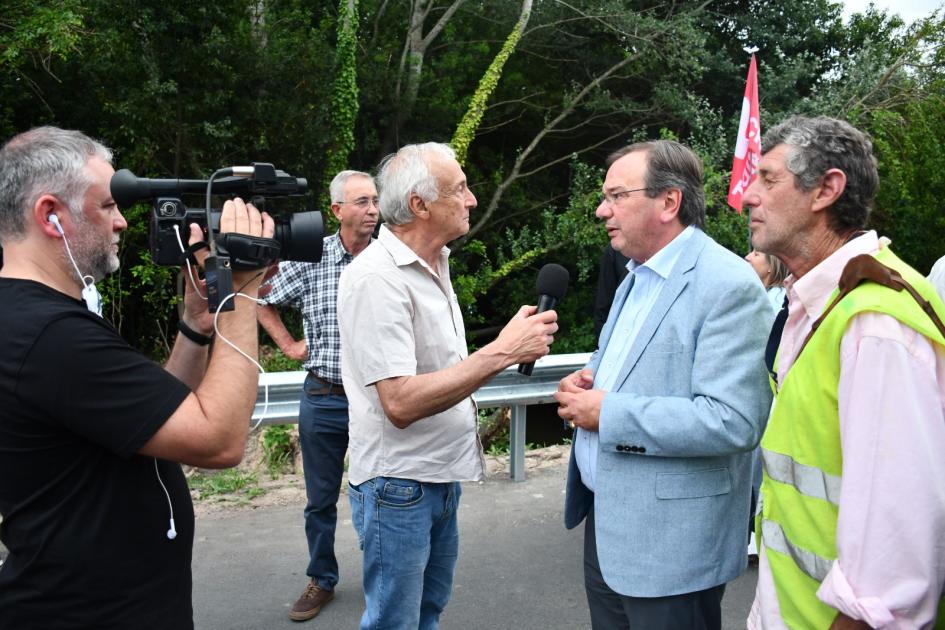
x=801, y=452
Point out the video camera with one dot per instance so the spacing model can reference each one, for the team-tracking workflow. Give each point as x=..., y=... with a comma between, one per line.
x=297, y=237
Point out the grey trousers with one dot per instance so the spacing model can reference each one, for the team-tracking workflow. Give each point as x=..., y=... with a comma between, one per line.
x=701, y=610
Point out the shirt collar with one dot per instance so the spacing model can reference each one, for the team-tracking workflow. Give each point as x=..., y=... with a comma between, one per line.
x=334, y=249
x=817, y=285
x=401, y=252
x=663, y=261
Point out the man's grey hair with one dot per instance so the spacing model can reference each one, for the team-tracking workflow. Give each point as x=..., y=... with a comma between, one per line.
x=44, y=160
x=817, y=145
x=670, y=164
x=337, y=186
x=406, y=173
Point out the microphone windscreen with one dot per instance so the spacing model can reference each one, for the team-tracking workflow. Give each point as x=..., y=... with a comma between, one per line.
x=553, y=280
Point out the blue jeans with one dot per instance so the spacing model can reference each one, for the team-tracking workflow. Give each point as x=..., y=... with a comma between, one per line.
x=323, y=439
x=408, y=532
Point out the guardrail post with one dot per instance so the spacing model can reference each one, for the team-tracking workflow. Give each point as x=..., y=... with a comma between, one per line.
x=517, y=442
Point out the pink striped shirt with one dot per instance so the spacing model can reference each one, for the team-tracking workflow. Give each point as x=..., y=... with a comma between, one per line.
x=890, y=566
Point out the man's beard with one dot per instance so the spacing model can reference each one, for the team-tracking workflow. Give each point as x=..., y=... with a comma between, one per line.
x=93, y=256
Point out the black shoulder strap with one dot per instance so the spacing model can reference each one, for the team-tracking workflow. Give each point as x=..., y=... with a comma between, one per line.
x=774, y=339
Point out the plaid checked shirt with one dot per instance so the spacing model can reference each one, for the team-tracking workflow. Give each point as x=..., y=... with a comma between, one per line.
x=313, y=289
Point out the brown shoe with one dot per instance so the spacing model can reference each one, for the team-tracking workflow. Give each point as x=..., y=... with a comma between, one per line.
x=310, y=603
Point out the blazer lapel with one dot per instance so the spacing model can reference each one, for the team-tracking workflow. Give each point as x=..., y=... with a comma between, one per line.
x=677, y=281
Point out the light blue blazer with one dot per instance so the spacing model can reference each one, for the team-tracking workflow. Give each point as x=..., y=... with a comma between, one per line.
x=673, y=475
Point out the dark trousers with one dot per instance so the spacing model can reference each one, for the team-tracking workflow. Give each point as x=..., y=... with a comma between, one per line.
x=323, y=439
x=701, y=610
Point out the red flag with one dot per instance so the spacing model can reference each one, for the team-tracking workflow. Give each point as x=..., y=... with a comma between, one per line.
x=748, y=145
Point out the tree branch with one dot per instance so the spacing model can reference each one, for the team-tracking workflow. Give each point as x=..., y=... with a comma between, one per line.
x=517, y=167
x=564, y=158
x=453, y=8
x=377, y=22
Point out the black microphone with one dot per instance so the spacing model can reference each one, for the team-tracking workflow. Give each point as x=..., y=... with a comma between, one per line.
x=552, y=285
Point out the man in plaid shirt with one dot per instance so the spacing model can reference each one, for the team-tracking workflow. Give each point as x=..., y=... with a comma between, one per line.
x=323, y=412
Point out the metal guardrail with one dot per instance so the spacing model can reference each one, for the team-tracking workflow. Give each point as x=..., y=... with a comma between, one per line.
x=507, y=389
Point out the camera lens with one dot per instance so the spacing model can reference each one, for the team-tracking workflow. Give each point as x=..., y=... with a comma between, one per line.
x=301, y=236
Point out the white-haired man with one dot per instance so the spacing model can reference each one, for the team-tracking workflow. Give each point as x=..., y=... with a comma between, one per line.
x=409, y=380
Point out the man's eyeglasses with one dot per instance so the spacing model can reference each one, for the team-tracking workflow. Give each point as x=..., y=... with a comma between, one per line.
x=615, y=197
x=363, y=202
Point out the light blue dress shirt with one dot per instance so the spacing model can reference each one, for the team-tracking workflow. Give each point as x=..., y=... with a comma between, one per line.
x=647, y=281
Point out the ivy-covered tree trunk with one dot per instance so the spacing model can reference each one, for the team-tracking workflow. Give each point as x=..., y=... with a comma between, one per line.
x=343, y=102
x=466, y=130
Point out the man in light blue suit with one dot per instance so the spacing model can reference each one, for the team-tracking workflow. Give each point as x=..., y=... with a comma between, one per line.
x=669, y=408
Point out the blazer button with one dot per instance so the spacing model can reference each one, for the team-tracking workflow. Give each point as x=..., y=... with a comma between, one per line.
x=642, y=449
x=620, y=447
x=633, y=449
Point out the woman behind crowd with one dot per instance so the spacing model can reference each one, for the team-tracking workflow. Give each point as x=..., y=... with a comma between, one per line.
x=772, y=273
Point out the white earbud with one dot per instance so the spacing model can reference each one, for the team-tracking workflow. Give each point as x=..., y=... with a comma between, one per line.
x=55, y=221
x=172, y=532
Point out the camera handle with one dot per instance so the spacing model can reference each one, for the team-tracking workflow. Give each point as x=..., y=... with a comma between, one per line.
x=248, y=252
x=234, y=252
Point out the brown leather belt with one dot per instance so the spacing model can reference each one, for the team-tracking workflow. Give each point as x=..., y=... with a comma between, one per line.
x=327, y=387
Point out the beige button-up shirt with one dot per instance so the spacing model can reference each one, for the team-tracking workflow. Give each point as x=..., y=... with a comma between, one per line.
x=400, y=317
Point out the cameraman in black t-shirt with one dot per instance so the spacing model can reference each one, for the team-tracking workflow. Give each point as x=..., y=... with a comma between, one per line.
x=96, y=511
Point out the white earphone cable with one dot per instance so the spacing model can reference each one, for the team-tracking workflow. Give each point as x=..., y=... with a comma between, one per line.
x=82, y=278
x=172, y=531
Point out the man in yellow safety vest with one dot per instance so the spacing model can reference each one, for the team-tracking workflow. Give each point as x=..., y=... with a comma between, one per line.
x=852, y=521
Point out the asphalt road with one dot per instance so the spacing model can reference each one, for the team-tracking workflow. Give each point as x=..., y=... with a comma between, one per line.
x=518, y=567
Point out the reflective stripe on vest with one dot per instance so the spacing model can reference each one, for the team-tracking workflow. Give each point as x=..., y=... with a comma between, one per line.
x=807, y=561
x=807, y=480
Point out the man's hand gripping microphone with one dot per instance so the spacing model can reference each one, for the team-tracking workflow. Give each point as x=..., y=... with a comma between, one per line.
x=552, y=285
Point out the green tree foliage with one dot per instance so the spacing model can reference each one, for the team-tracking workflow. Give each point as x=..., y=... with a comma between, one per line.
x=798, y=46
x=910, y=207
x=179, y=89
x=909, y=138
x=890, y=81
x=36, y=33
x=35, y=37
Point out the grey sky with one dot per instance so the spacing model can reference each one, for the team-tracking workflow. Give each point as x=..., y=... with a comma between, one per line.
x=908, y=10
